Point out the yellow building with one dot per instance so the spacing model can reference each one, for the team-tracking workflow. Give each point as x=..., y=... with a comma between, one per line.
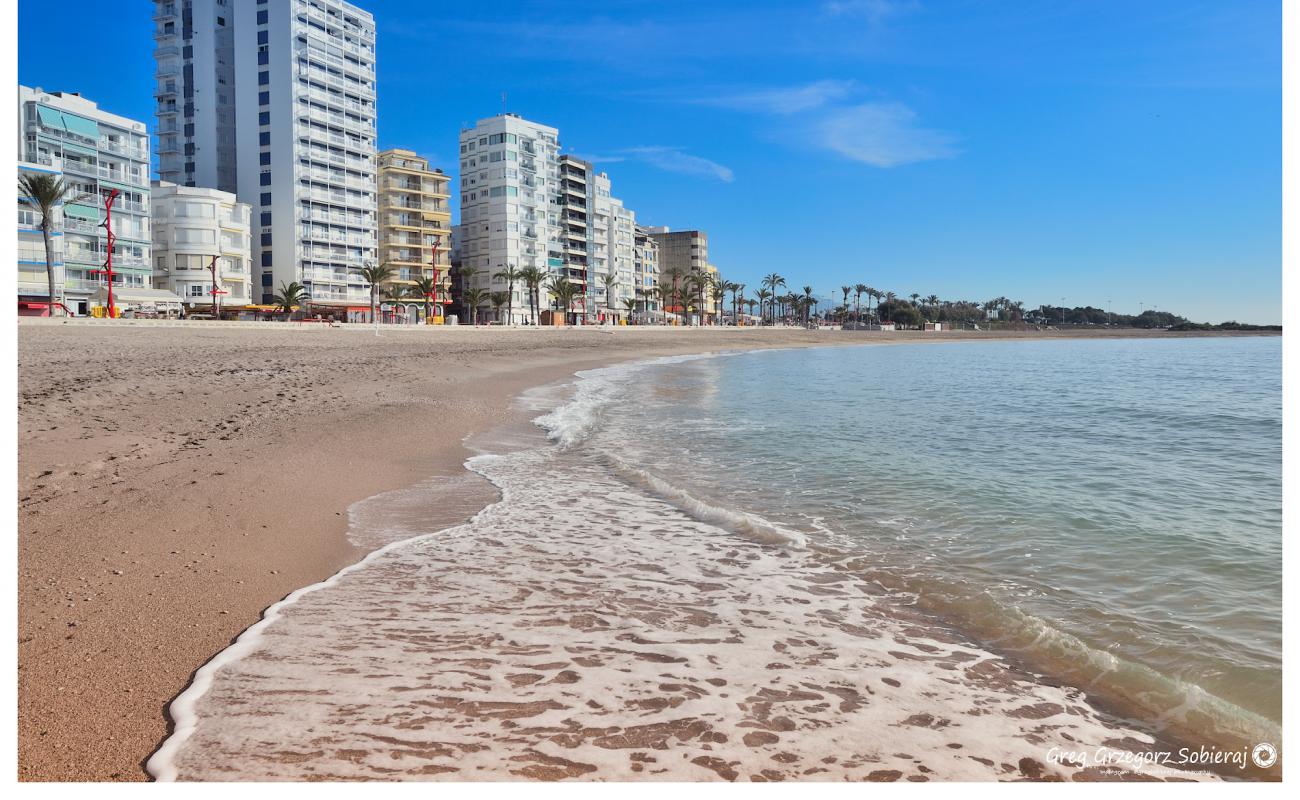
x=413, y=218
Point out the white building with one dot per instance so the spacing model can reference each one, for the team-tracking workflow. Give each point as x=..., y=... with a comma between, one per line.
x=191, y=226
x=598, y=238
x=96, y=152
x=509, y=215
x=299, y=76
x=645, y=271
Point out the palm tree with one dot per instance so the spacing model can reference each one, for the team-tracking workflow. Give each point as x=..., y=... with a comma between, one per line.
x=933, y=302
x=772, y=281
x=472, y=299
x=629, y=305
x=532, y=278
x=425, y=286
x=499, y=299
x=859, y=290
x=609, y=279
x=808, y=302
x=751, y=302
x=44, y=193
x=682, y=291
x=674, y=276
x=719, y=292
x=737, y=300
x=564, y=292
x=661, y=294
x=467, y=276
x=763, y=296
x=290, y=295
x=375, y=276
x=510, y=274
x=844, y=304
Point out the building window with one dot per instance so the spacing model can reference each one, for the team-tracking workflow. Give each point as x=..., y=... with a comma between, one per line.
x=265, y=178
x=262, y=17
x=263, y=58
x=263, y=37
x=266, y=217
x=264, y=98
x=266, y=262
x=264, y=118
x=264, y=138
x=263, y=79
x=266, y=239
x=266, y=199
x=264, y=159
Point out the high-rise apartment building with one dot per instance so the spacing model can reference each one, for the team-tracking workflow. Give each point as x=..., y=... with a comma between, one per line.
x=681, y=253
x=523, y=204
x=191, y=226
x=414, y=218
x=509, y=205
x=96, y=152
x=645, y=274
x=274, y=100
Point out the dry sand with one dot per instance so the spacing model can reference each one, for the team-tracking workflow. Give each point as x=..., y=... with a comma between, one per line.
x=174, y=481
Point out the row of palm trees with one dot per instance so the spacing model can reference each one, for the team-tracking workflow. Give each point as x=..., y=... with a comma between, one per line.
x=45, y=193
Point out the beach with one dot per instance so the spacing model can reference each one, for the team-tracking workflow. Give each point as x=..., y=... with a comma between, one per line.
x=176, y=481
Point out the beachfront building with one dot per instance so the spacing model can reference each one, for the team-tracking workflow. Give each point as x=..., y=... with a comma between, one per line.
x=598, y=236
x=584, y=235
x=510, y=213
x=299, y=76
x=622, y=261
x=645, y=276
x=414, y=219
x=191, y=227
x=681, y=253
x=95, y=152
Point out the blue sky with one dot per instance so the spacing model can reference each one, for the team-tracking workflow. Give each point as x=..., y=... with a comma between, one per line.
x=1101, y=152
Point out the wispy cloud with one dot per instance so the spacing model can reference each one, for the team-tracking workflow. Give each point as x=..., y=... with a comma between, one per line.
x=841, y=117
x=669, y=159
x=874, y=11
x=882, y=135
x=783, y=100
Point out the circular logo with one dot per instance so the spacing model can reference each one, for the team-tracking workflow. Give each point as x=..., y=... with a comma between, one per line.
x=1264, y=755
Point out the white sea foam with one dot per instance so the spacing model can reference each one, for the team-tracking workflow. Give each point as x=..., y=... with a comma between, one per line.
x=582, y=628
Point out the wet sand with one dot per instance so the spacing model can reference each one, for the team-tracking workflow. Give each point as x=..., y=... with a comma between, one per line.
x=175, y=481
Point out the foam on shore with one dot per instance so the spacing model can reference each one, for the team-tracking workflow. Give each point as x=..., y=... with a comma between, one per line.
x=599, y=623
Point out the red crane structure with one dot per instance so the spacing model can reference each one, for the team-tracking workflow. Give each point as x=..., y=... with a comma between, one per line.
x=108, y=262
x=433, y=262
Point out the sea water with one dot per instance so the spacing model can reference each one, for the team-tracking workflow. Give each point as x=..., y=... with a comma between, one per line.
x=862, y=562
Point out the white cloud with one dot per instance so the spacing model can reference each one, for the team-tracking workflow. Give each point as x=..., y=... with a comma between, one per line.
x=669, y=159
x=787, y=99
x=882, y=135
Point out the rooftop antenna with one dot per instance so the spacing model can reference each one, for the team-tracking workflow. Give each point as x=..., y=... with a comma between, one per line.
x=503, y=102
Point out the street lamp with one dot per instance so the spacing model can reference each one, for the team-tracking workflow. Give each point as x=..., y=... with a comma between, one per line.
x=433, y=262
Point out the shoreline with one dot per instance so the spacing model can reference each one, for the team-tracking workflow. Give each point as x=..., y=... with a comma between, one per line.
x=178, y=554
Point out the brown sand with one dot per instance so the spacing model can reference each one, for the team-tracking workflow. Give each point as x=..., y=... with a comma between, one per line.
x=174, y=481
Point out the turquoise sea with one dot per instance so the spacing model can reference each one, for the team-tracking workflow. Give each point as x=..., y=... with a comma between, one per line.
x=1110, y=509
